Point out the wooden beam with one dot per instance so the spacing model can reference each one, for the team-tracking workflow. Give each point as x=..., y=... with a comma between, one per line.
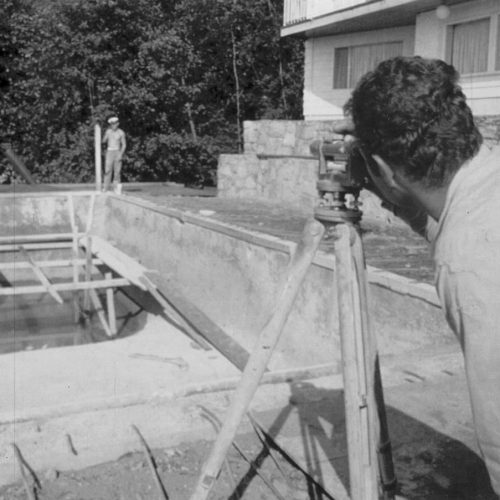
x=4, y=281
x=64, y=287
x=74, y=229
x=47, y=263
x=175, y=305
x=110, y=300
x=97, y=156
x=35, y=238
x=15, y=339
x=90, y=215
x=200, y=322
x=117, y=260
x=14, y=247
x=174, y=316
x=100, y=312
x=88, y=273
x=41, y=276
x=59, y=192
x=125, y=266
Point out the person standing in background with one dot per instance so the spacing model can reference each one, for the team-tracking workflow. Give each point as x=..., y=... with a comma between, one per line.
x=115, y=141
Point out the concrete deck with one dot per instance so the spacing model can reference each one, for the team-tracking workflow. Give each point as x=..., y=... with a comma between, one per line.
x=81, y=413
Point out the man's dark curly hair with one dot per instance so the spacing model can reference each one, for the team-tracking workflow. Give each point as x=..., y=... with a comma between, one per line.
x=412, y=113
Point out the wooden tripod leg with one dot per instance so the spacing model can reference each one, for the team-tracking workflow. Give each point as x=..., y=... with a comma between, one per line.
x=387, y=476
x=357, y=369
x=259, y=358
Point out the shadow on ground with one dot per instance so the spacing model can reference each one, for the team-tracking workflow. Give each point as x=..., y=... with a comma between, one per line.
x=429, y=465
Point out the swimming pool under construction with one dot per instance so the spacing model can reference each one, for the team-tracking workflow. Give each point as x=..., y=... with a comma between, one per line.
x=135, y=308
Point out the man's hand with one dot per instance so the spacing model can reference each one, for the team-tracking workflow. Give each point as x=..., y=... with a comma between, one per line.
x=344, y=127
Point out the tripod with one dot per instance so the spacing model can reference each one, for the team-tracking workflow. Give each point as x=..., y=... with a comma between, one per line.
x=371, y=470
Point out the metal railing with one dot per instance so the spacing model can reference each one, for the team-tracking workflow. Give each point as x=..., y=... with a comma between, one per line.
x=294, y=11
x=297, y=11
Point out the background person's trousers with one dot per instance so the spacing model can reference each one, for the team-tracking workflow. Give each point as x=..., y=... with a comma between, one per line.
x=112, y=166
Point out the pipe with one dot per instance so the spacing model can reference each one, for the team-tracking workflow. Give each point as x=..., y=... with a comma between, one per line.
x=16, y=162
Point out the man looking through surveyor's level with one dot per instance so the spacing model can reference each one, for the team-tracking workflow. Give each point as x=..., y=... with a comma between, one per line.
x=114, y=138
x=410, y=115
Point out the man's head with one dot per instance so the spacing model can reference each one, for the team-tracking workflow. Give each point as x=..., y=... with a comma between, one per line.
x=411, y=112
x=113, y=122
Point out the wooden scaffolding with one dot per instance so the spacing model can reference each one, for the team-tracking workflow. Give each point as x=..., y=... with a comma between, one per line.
x=82, y=246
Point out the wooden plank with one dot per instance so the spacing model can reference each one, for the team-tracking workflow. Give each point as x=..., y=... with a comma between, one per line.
x=174, y=316
x=193, y=321
x=36, y=246
x=17, y=339
x=47, y=263
x=41, y=276
x=117, y=260
x=4, y=281
x=90, y=215
x=96, y=301
x=74, y=246
x=35, y=238
x=110, y=301
x=58, y=191
x=97, y=156
x=198, y=320
x=64, y=287
x=88, y=273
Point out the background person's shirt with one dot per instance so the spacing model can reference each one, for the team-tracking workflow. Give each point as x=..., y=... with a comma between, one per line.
x=466, y=253
x=113, y=139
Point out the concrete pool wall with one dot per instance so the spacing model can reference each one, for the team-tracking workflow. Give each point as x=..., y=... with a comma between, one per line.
x=233, y=275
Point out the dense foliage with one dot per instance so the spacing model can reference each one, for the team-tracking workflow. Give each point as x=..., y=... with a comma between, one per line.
x=182, y=75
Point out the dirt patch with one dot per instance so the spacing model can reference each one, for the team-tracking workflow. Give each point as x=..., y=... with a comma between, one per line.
x=427, y=469
x=131, y=478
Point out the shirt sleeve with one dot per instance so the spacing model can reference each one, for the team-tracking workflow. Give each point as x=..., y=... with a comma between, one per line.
x=471, y=301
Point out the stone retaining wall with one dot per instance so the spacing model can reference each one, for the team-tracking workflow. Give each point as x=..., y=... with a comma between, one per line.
x=292, y=137
x=290, y=179
x=284, y=137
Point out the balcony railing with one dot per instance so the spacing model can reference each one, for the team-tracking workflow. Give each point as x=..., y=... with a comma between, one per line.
x=297, y=11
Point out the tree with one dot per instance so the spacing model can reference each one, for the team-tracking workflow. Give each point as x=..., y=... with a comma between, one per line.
x=181, y=74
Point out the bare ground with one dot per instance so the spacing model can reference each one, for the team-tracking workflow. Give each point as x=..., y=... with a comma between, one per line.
x=429, y=466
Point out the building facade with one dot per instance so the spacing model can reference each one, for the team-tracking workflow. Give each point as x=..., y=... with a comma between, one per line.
x=346, y=38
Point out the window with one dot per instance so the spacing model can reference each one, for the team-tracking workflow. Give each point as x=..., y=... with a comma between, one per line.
x=351, y=63
x=473, y=45
x=469, y=46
